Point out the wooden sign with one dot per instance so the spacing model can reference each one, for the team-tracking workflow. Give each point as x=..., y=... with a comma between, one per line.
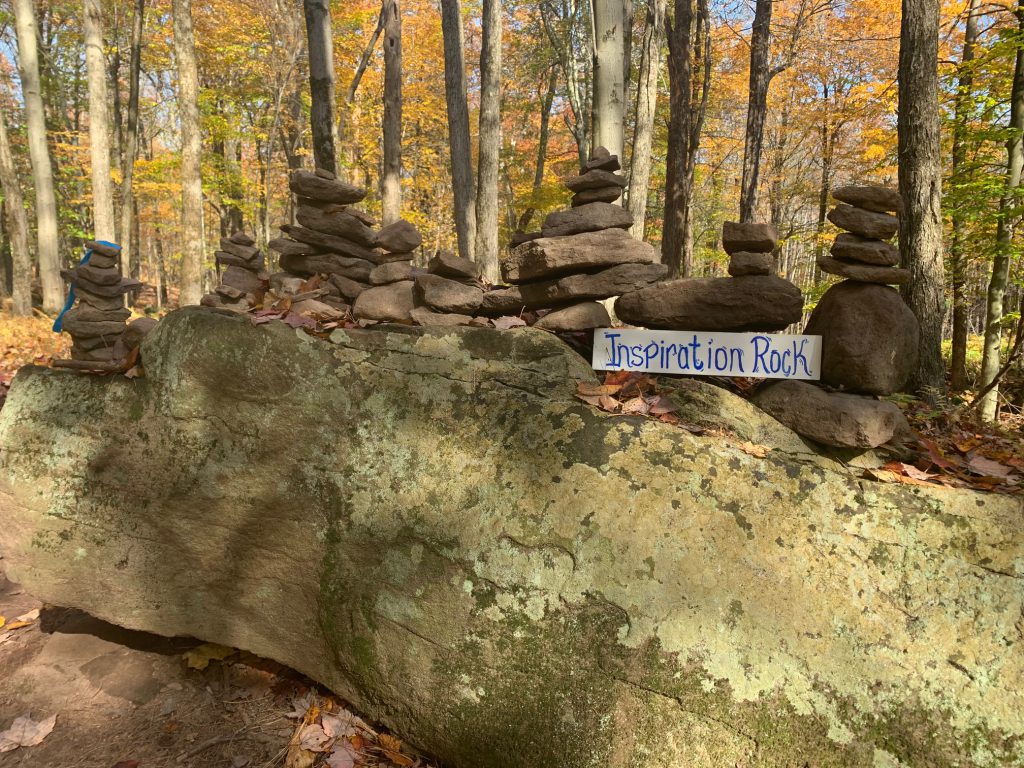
x=695, y=353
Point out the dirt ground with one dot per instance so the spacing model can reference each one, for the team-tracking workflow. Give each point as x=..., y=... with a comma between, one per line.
x=126, y=699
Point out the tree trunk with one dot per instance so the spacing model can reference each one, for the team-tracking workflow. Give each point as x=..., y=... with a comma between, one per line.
x=1009, y=216
x=646, y=105
x=957, y=259
x=99, y=122
x=486, y=250
x=546, y=101
x=191, y=149
x=129, y=248
x=458, y=127
x=607, y=104
x=48, y=242
x=321, y=82
x=689, y=46
x=920, y=182
x=390, y=180
x=17, y=226
x=757, y=107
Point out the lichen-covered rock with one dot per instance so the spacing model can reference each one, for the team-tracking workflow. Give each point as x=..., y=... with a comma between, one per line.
x=503, y=574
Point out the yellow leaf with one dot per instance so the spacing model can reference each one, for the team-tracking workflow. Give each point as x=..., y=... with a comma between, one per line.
x=2, y=621
x=200, y=658
x=749, y=448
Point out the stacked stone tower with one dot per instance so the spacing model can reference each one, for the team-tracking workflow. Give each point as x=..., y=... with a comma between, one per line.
x=243, y=276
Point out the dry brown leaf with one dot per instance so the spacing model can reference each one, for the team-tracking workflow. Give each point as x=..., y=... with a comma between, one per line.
x=26, y=732
x=752, y=449
x=589, y=389
x=984, y=466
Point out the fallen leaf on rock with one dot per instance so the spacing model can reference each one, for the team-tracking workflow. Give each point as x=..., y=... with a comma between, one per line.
x=589, y=389
x=295, y=320
x=662, y=405
x=340, y=725
x=752, y=449
x=343, y=756
x=984, y=466
x=200, y=658
x=608, y=403
x=505, y=323
x=127, y=764
x=26, y=732
x=2, y=621
x=25, y=620
x=299, y=758
x=636, y=406
x=313, y=738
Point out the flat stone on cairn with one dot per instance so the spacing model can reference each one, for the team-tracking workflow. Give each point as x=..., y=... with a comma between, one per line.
x=750, y=248
x=862, y=253
x=243, y=277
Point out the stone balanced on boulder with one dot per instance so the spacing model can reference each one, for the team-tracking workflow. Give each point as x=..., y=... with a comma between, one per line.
x=579, y=256
x=244, y=278
x=869, y=335
x=96, y=323
x=754, y=299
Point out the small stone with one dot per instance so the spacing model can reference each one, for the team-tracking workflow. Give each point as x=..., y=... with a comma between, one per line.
x=89, y=329
x=447, y=264
x=110, y=291
x=98, y=302
x=137, y=330
x=448, y=295
x=92, y=342
x=228, y=292
x=332, y=243
x=339, y=223
x=244, y=252
x=104, y=354
x=869, y=338
x=751, y=237
x=519, y=238
x=399, y=237
x=350, y=289
x=551, y=257
x=595, y=179
x=870, y=197
x=578, y=317
x=394, y=272
x=743, y=263
x=598, y=195
x=881, y=226
x=100, y=276
x=831, y=418
x=315, y=186
x=92, y=315
x=230, y=260
x=108, y=251
x=865, y=273
x=758, y=303
x=314, y=308
x=241, y=238
x=242, y=279
x=849, y=247
x=216, y=301
x=328, y=264
x=425, y=316
x=386, y=303
x=288, y=247
x=592, y=217
x=323, y=173
x=102, y=260
x=284, y=283
x=603, y=160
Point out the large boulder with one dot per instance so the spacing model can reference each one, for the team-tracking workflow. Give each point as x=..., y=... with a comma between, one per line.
x=431, y=524
x=869, y=338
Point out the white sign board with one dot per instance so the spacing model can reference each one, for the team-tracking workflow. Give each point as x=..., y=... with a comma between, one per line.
x=694, y=353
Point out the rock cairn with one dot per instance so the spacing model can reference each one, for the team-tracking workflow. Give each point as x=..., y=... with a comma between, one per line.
x=753, y=299
x=579, y=256
x=336, y=240
x=869, y=335
x=96, y=323
x=243, y=278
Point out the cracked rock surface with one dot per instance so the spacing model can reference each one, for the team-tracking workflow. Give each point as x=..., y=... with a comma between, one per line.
x=428, y=522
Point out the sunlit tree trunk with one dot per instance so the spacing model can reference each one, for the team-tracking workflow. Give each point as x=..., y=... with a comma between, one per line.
x=486, y=250
x=48, y=242
x=995, y=304
x=608, y=103
x=99, y=122
x=460, y=150
x=17, y=227
x=390, y=181
x=646, y=105
x=920, y=181
x=191, y=148
x=321, y=82
x=130, y=246
x=957, y=258
x=757, y=108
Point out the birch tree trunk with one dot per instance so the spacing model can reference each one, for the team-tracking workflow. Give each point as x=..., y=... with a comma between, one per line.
x=191, y=150
x=757, y=107
x=17, y=226
x=957, y=259
x=609, y=48
x=995, y=308
x=920, y=182
x=99, y=122
x=458, y=127
x=130, y=246
x=48, y=243
x=321, y=82
x=390, y=180
x=486, y=249
x=646, y=105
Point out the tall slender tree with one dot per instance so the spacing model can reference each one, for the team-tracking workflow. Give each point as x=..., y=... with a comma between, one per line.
x=460, y=151
x=99, y=122
x=920, y=183
x=757, y=107
x=191, y=150
x=1009, y=218
x=608, y=103
x=47, y=240
x=130, y=244
x=646, y=105
x=486, y=251
x=390, y=180
x=17, y=226
x=321, y=82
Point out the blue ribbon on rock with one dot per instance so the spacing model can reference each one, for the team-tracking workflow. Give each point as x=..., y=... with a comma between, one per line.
x=58, y=324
